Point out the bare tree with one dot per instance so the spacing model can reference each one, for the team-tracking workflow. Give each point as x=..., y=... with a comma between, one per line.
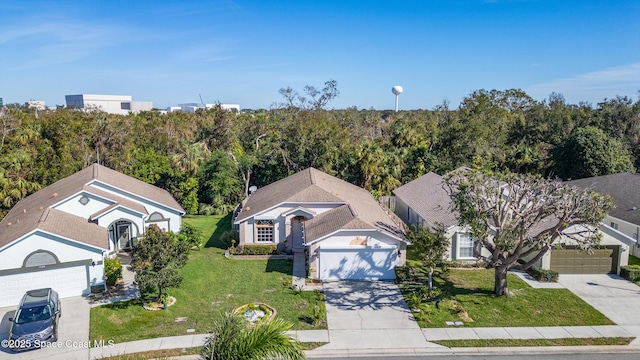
x=315, y=99
x=518, y=219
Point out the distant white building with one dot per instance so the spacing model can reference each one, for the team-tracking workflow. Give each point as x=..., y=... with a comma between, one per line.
x=192, y=107
x=113, y=104
x=36, y=104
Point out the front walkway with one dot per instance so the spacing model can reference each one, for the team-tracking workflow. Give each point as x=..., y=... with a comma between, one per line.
x=127, y=290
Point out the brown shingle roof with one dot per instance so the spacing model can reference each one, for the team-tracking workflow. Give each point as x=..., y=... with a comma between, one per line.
x=25, y=215
x=428, y=198
x=314, y=186
x=624, y=189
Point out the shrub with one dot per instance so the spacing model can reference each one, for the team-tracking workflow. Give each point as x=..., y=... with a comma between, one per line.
x=544, y=275
x=630, y=272
x=253, y=250
x=403, y=273
x=112, y=271
x=229, y=238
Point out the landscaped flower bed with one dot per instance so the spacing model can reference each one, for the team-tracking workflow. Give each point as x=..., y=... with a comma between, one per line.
x=255, y=312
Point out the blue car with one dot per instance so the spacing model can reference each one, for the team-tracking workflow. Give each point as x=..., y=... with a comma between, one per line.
x=36, y=321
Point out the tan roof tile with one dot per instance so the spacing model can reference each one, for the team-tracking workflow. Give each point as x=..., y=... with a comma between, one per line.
x=312, y=185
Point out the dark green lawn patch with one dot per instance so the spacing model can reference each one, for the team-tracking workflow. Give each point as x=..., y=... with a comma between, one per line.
x=467, y=296
x=634, y=260
x=212, y=285
x=535, y=342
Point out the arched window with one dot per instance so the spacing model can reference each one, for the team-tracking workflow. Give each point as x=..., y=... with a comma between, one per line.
x=40, y=258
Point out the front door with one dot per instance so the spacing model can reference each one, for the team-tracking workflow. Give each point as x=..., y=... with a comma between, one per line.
x=124, y=236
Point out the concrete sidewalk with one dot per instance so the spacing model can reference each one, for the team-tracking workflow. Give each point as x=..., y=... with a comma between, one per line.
x=186, y=341
x=551, y=332
x=536, y=332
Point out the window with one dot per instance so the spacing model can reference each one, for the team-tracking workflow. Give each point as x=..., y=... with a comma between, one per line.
x=465, y=245
x=409, y=216
x=125, y=106
x=614, y=225
x=265, y=230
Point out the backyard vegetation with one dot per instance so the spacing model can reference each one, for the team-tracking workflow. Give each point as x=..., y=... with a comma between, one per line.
x=212, y=285
x=467, y=296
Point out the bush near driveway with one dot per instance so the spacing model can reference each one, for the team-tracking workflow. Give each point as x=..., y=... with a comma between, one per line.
x=467, y=296
x=212, y=285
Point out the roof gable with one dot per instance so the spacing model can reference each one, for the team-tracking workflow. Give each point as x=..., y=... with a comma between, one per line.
x=427, y=197
x=28, y=214
x=314, y=186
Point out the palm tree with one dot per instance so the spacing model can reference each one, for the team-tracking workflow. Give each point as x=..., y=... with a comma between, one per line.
x=233, y=339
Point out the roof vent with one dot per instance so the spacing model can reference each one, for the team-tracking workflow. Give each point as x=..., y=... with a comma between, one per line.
x=41, y=208
x=9, y=224
x=24, y=210
x=634, y=208
x=55, y=194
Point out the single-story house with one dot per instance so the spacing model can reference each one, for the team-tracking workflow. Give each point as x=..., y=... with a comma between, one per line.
x=425, y=202
x=59, y=236
x=619, y=229
x=341, y=228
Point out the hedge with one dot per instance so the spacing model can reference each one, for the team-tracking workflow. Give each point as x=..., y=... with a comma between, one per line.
x=543, y=275
x=630, y=272
x=254, y=250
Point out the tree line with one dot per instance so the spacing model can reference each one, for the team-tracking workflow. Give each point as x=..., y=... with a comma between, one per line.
x=210, y=158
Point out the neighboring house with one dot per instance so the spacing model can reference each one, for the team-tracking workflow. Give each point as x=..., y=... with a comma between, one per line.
x=343, y=231
x=621, y=227
x=425, y=202
x=112, y=104
x=59, y=236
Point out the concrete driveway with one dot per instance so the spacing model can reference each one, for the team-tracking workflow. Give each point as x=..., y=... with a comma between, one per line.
x=370, y=315
x=73, y=333
x=612, y=295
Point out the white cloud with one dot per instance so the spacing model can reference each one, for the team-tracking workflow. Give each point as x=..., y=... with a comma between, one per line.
x=593, y=86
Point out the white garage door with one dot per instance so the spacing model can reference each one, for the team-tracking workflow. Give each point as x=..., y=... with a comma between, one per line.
x=70, y=281
x=357, y=263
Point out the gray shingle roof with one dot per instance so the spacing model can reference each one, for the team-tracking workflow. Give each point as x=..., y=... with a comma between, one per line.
x=314, y=186
x=428, y=198
x=624, y=189
x=27, y=214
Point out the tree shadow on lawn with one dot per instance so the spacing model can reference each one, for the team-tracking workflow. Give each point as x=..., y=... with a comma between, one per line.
x=449, y=288
x=284, y=266
x=223, y=225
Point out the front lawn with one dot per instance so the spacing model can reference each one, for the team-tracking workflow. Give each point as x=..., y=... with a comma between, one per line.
x=212, y=285
x=467, y=297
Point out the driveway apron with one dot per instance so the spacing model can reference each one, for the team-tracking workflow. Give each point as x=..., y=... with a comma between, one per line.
x=612, y=295
x=369, y=315
x=73, y=333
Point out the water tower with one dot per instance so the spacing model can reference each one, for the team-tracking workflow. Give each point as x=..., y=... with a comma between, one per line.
x=397, y=90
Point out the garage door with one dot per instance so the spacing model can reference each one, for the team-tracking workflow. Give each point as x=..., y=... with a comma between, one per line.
x=70, y=281
x=357, y=263
x=575, y=261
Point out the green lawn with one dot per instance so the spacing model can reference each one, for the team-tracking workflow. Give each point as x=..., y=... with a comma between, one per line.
x=212, y=285
x=535, y=342
x=634, y=260
x=468, y=297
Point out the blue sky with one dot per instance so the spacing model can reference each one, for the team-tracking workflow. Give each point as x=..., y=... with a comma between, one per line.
x=172, y=52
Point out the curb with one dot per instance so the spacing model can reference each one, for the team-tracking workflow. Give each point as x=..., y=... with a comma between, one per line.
x=622, y=349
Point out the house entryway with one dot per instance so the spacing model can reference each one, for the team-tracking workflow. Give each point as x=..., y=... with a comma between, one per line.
x=121, y=235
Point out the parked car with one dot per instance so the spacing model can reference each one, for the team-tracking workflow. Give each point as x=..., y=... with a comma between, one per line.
x=36, y=321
